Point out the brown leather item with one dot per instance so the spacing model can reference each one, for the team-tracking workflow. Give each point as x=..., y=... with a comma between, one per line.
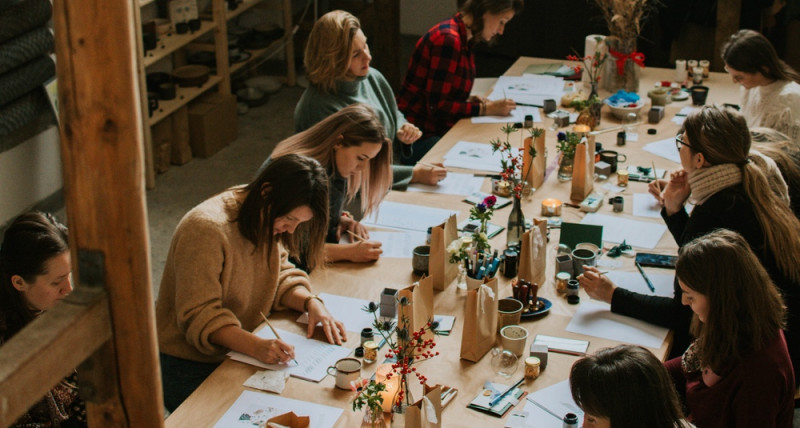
x=191, y=75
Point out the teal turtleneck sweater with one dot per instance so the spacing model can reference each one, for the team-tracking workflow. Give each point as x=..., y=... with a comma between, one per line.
x=373, y=90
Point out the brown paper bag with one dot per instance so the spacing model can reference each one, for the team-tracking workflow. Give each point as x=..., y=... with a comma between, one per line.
x=419, y=310
x=480, y=321
x=533, y=254
x=427, y=412
x=289, y=420
x=442, y=271
x=533, y=168
x=582, y=172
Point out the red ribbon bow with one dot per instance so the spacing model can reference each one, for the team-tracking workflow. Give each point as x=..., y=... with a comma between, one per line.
x=636, y=57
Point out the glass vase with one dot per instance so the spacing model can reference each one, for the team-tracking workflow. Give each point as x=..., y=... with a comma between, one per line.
x=373, y=419
x=628, y=79
x=565, y=166
x=399, y=416
x=461, y=279
x=516, y=224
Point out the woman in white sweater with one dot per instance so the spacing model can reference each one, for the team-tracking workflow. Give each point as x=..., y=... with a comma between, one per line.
x=770, y=88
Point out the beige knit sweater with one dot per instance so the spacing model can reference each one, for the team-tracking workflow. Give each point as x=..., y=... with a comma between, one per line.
x=213, y=278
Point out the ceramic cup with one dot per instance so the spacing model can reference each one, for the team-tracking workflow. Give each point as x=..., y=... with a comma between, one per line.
x=509, y=312
x=699, y=94
x=514, y=339
x=612, y=158
x=582, y=257
x=659, y=96
x=419, y=259
x=345, y=370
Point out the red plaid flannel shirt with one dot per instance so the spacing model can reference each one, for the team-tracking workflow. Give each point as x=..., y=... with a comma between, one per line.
x=440, y=75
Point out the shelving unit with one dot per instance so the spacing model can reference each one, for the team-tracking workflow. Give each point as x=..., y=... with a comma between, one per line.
x=175, y=46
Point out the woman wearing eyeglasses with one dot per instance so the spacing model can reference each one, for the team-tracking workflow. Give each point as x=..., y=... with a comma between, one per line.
x=770, y=87
x=728, y=192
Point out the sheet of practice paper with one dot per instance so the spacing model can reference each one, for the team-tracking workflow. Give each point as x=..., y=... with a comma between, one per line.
x=633, y=281
x=254, y=409
x=595, y=319
x=348, y=310
x=517, y=115
x=399, y=245
x=529, y=89
x=407, y=216
x=556, y=400
x=474, y=156
x=455, y=183
x=446, y=322
x=313, y=356
x=645, y=205
x=664, y=148
x=636, y=233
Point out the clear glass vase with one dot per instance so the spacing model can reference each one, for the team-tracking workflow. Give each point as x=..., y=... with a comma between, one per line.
x=565, y=166
x=373, y=419
x=461, y=279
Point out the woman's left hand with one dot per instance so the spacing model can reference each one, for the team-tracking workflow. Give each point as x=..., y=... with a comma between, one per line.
x=350, y=224
x=318, y=314
x=408, y=133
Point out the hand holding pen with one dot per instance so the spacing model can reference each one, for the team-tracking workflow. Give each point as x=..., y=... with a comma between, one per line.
x=597, y=285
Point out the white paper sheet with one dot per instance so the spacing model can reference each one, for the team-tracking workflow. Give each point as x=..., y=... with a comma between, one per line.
x=595, y=319
x=633, y=281
x=252, y=409
x=528, y=89
x=474, y=156
x=454, y=184
x=398, y=245
x=407, y=216
x=645, y=205
x=445, y=322
x=345, y=309
x=267, y=380
x=517, y=115
x=664, y=148
x=556, y=400
x=636, y=233
x=538, y=417
x=313, y=356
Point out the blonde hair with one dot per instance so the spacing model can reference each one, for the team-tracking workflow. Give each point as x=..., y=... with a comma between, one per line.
x=351, y=126
x=327, y=55
x=722, y=136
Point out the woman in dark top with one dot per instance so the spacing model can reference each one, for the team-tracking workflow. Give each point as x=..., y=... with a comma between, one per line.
x=35, y=270
x=728, y=193
x=738, y=372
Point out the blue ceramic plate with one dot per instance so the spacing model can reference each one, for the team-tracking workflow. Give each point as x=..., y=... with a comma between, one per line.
x=543, y=306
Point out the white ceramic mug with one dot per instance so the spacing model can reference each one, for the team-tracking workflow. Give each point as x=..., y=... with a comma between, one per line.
x=514, y=338
x=346, y=370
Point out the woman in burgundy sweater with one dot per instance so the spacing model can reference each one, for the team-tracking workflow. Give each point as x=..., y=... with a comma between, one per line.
x=737, y=373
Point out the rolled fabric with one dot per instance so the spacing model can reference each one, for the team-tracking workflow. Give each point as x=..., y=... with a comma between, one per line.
x=21, y=49
x=25, y=78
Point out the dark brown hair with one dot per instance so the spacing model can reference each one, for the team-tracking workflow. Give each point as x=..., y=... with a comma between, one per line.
x=477, y=8
x=284, y=184
x=750, y=52
x=722, y=136
x=29, y=242
x=745, y=310
x=629, y=386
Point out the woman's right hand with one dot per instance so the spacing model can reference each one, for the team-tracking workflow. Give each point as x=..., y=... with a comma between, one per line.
x=655, y=188
x=273, y=351
x=430, y=175
x=676, y=192
x=597, y=285
x=500, y=107
x=364, y=251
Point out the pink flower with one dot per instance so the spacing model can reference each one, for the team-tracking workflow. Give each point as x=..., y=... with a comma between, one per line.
x=489, y=201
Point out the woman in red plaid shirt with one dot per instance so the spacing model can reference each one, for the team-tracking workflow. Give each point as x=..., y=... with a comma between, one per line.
x=435, y=93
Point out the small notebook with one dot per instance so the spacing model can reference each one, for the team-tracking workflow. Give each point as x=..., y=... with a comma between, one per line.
x=477, y=197
x=562, y=345
x=473, y=225
x=489, y=392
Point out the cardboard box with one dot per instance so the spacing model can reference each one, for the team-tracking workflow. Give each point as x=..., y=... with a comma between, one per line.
x=212, y=123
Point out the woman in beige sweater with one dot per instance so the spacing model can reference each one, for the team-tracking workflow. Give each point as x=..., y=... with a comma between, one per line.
x=228, y=262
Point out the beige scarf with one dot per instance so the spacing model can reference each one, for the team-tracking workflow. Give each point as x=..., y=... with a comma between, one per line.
x=705, y=182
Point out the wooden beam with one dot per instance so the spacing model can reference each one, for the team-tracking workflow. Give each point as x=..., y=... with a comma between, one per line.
x=102, y=152
x=46, y=350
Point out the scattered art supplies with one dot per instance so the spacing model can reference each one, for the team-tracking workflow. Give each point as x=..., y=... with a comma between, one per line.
x=497, y=399
x=562, y=345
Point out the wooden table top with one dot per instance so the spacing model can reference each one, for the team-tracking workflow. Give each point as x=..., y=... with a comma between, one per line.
x=207, y=404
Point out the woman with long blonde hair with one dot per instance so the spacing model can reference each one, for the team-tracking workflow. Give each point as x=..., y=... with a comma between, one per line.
x=354, y=149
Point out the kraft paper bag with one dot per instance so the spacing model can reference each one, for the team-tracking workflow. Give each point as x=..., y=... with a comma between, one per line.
x=289, y=420
x=533, y=254
x=427, y=412
x=480, y=321
x=582, y=172
x=442, y=271
x=419, y=310
x=533, y=167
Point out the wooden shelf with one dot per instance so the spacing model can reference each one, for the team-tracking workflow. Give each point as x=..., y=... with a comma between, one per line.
x=182, y=97
x=174, y=41
x=256, y=54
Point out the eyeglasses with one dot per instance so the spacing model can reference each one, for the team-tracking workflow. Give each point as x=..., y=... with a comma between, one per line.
x=679, y=142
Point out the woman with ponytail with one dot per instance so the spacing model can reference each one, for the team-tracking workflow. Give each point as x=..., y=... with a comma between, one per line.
x=728, y=192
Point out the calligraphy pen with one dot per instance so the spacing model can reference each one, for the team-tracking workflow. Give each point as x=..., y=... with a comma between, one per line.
x=357, y=237
x=503, y=395
x=275, y=332
x=646, y=278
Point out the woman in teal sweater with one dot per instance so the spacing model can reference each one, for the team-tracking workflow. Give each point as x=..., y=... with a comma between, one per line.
x=337, y=65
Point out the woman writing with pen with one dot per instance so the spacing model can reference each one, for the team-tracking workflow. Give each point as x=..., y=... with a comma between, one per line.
x=337, y=60
x=728, y=192
x=352, y=146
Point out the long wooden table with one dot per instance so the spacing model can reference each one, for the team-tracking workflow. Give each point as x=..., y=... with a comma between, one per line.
x=207, y=404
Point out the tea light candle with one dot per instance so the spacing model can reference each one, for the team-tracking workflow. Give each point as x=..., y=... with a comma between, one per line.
x=622, y=177
x=706, y=64
x=551, y=207
x=532, y=368
x=392, y=385
x=581, y=129
x=561, y=281
x=691, y=64
x=370, y=351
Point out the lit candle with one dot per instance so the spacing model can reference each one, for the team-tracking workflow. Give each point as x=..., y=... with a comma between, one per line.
x=392, y=385
x=551, y=207
x=581, y=129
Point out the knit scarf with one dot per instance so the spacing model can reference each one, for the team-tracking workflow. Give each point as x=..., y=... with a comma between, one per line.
x=705, y=182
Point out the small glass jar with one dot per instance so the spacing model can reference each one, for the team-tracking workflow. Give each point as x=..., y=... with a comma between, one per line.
x=370, y=351
x=573, y=287
x=366, y=335
x=561, y=281
x=532, y=368
x=570, y=420
x=622, y=177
